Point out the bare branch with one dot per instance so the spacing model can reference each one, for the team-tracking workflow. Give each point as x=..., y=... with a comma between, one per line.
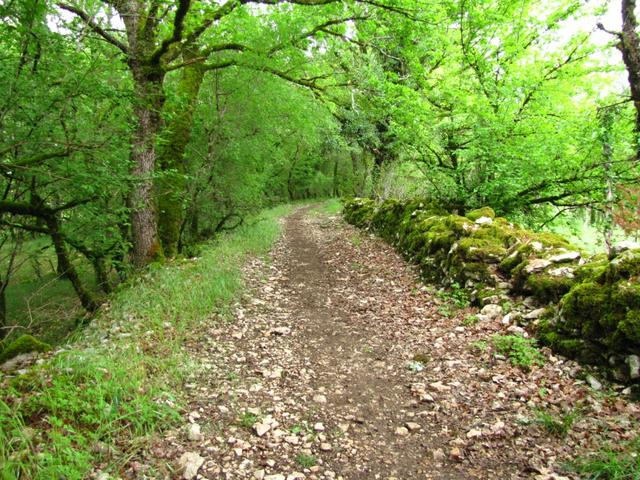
x=94, y=26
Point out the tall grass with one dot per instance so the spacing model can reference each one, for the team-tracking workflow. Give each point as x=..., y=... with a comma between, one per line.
x=92, y=405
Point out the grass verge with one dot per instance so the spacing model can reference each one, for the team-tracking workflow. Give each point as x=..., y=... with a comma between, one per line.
x=92, y=404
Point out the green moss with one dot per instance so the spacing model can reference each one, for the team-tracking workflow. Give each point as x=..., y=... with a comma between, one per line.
x=584, y=306
x=438, y=241
x=548, y=288
x=510, y=262
x=626, y=266
x=592, y=271
x=23, y=344
x=625, y=295
x=630, y=327
x=549, y=239
x=473, y=215
x=482, y=249
x=457, y=224
x=495, y=233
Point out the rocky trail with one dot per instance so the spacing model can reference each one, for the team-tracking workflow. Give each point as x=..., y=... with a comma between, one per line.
x=339, y=364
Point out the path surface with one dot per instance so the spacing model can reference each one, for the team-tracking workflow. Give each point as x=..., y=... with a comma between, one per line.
x=311, y=378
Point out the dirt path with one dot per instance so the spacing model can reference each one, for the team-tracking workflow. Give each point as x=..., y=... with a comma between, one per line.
x=311, y=378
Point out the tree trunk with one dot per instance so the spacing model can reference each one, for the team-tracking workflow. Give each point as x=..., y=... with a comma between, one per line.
x=86, y=298
x=3, y=314
x=290, y=188
x=335, y=177
x=144, y=225
x=630, y=47
x=171, y=185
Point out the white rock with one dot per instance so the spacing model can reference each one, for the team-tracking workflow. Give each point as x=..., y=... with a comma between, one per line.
x=565, y=257
x=194, y=434
x=561, y=272
x=593, y=383
x=484, y=221
x=319, y=398
x=277, y=476
x=491, y=311
x=624, y=246
x=534, y=314
x=318, y=427
x=261, y=428
x=537, y=246
x=280, y=331
x=537, y=265
x=439, y=455
x=402, y=431
x=474, y=433
x=325, y=447
x=296, y=476
x=258, y=474
x=634, y=366
x=190, y=463
x=412, y=426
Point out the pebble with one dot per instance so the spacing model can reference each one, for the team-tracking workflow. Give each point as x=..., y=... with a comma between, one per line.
x=261, y=428
x=194, y=433
x=190, y=463
x=412, y=426
x=593, y=383
x=319, y=398
x=402, y=431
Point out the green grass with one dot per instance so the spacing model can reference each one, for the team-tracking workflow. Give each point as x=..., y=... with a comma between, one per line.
x=558, y=426
x=306, y=461
x=623, y=463
x=333, y=206
x=55, y=418
x=248, y=420
x=38, y=301
x=470, y=320
x=522, y=352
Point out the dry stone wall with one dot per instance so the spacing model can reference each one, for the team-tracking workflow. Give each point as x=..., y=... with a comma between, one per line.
x=585, y=307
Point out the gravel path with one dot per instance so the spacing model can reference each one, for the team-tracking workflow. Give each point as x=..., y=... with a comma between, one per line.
x=314, y=379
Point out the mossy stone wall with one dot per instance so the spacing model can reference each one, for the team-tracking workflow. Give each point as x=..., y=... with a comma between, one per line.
x=595, y=314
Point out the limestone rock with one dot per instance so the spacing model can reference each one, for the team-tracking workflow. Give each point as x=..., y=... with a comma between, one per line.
x=190, y=463
x=534, y=314
x=491, y=311
x=565, y=257
x=634, y=366
x=194, y=433
x=537, y=265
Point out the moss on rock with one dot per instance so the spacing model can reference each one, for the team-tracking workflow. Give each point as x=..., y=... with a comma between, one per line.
x=548, y=288
x=23, y=344
x=474, y=215
x=482, y=249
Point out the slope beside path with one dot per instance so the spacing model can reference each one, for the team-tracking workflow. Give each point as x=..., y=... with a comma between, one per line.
x=315, y=377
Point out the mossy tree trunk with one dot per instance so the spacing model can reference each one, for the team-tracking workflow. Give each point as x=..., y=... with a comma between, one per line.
x=171, y=185
x=64, y=263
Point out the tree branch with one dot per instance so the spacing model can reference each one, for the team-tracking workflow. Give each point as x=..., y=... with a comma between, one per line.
x=176, y=36
x=94, y=26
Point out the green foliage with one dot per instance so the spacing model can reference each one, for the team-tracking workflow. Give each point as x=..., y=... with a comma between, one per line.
x=306, y=461
x=522, y=352
x=619, y=463
x=470, y=320
x=558, y=426
x=248, y=420
x=456, y=294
